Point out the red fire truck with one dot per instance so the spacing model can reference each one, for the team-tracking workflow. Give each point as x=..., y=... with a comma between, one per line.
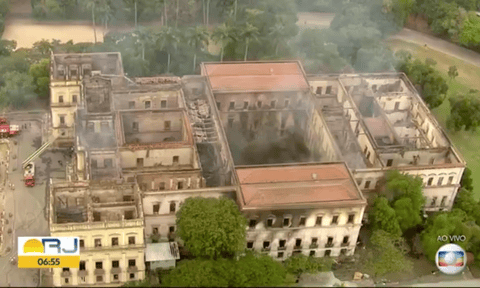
x=7, y=130
x=29, y=175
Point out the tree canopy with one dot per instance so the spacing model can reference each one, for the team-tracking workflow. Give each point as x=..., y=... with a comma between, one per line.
x=383, y=217
x=455, y=222
x=211, y=227
x=467, y=203
x=250, y=270
x=431, y=85
x=40, y=73
x=401, y=185
x=400, y=206
x=387, y=254
x=464, y=112
x=299, y=264
x=18, y=89
x=467, y=182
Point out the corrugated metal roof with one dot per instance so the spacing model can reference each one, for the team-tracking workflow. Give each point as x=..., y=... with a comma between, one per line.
x=271, y=76
x=161, y=251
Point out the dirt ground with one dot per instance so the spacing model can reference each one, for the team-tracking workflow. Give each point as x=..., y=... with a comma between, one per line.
x=21, y=27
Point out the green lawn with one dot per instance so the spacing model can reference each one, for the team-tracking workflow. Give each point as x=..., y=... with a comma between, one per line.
x=468, y=78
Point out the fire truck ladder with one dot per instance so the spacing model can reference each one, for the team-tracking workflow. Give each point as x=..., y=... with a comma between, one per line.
x=39, y=151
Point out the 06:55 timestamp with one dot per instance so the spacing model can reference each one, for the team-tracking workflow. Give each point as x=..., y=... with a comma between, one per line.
x=48, y=261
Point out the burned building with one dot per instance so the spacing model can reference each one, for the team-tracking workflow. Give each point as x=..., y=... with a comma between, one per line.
x=266, y=110
x=68, y=88
x=108, y=219
x=313, y=209
x=381, y=123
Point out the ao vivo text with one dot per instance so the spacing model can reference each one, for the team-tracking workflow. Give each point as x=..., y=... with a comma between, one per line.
x=452, y=238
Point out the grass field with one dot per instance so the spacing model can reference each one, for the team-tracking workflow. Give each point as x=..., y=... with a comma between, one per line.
x=468, y=78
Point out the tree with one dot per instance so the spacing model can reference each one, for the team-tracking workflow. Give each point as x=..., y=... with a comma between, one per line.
x=211, y=227
x=387, y=255
x=278, y=33
x=467, y=182
x=432, y=86
x=400, y=185
x=18, y=90
x=249, y=33
x=452, y=72
x=250, y=270
x=197, y=38
x=464, y=112
x=167, y=38
x=470, y=34
x=300, y=264
x=224, y=35
x=407, y=217
x=402, y=9
x=43, y=46
x=7, y=47
x=466, y=202
x=200, y=273
x=257, y=271
x=383, y=217
x=455, y=222
x=145, y=38
x=40, y=73
x=90, y=4
x=317, y=51
x=106, y=13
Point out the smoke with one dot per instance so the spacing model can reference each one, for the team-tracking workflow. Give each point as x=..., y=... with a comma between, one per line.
x=267, y=144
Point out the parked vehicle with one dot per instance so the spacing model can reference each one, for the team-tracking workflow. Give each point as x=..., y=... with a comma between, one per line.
x=7, y=130
x=29, y=175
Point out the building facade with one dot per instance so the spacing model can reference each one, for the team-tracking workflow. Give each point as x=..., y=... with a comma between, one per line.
x=108, y=219
x=310, y=209
x=381, y=123
x=142, y=146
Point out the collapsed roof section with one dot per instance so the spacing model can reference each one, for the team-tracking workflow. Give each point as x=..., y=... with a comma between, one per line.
x=74, y=203
x=154, y=129
x=384, y=113
x=76, y=66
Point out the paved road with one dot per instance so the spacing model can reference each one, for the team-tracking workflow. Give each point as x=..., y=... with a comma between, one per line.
x=323, y=20
x=28, y=206
x=438, y=44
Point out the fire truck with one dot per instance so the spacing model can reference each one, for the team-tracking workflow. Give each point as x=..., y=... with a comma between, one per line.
x=7, y=130
x=29, y=174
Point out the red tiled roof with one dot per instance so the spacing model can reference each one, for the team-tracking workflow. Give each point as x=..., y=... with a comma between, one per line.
x=278, y=185
x=256, y=76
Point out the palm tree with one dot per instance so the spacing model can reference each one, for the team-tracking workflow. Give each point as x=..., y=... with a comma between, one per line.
x=208, y=11
x=176, y=15
x=223, y=34
x=165, y=11
x=249, y=32
x=167, y=38
x=277, y=32
x=106, y=13
x=91, y=5
x=197, y=38
x=43, y=46
x=144, y=37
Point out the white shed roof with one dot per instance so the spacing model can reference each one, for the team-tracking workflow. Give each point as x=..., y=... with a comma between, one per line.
x=162, y=251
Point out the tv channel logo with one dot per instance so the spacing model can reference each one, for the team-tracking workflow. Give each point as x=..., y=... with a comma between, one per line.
x=451, y=259
x=48, y=252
